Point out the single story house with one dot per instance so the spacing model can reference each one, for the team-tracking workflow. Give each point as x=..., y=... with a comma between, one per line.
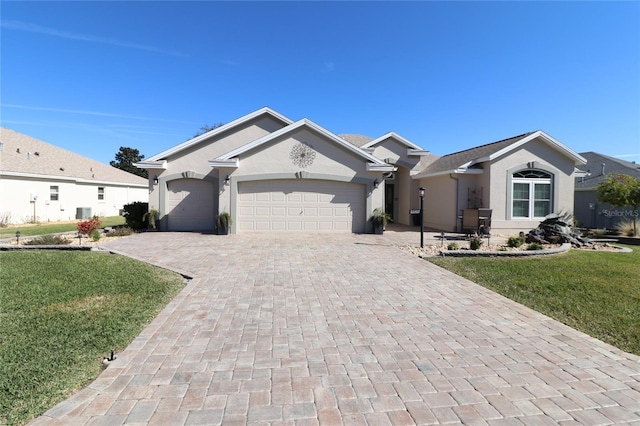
x=40, y=182
x=273, y=174
x=590, y=212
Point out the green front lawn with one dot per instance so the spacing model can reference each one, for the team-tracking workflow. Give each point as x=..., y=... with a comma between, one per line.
x=597, y=293
x=54, y=228
x=60, y=312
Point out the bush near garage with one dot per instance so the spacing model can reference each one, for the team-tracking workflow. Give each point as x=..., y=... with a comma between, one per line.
x=135, y=215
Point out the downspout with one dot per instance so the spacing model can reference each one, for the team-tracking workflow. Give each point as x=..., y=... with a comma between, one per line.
x=455, y=212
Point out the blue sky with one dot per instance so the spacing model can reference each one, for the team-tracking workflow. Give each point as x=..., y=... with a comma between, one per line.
x=93, y=76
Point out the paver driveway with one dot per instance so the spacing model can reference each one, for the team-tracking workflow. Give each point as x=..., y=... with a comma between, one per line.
x=302, y=329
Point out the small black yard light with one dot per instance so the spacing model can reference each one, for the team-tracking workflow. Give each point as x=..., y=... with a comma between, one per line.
x=79, y=238
x=422, y=217
x=18, y=233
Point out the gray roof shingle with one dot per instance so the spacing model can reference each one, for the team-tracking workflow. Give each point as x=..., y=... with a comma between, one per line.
x=455, y=160
x=612, y=165
x=357, y=140
x=23, y=154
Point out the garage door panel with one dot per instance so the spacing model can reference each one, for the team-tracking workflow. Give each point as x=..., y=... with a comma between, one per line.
x=301, y=205
x=293, y=211
x=247, y=211
x=294, y=197
x=275, y=211
x=310, y=212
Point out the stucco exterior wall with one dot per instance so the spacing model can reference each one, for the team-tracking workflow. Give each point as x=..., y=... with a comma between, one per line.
x=394, y=152
x=274, y=157
x=538, y=155
x=440, y=203
x=272, y=161
x=17, y=195
x=195, y=158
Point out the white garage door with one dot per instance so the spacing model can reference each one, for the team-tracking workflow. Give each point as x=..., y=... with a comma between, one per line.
x=190, y=205
x=301, y=205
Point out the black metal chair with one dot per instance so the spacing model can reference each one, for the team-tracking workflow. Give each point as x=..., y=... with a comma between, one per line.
x=470, y=221
x=484, y=221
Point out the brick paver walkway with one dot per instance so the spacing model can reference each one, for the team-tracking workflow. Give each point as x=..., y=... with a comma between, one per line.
x=348, y=329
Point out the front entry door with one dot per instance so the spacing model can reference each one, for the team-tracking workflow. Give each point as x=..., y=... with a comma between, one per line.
x=389, y=195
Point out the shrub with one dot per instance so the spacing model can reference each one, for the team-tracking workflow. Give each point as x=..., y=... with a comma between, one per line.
x=475, y=243
x=151, y=217
x=625, y=228
x=5, y=219
x=134, y=214
x=95, y=235
x=120, y=232
x=453, y=246
x=535, y=246
x=515, y=241
x=48, y=240
x=87, y=227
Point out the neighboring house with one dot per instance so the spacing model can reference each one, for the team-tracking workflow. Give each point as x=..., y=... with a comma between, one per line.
x=521, y=180
x=590, y=212
x=273, y=174
x=40, y=182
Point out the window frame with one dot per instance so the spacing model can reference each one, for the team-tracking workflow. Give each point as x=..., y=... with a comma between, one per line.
x=532, y=178
x=54, y=195
x=101, y=194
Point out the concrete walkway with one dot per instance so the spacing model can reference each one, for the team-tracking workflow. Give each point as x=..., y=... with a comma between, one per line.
x=345, y=329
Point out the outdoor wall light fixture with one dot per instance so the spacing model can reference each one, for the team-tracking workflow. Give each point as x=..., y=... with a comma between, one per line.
x=226, y=180
x=376, y=183
x=155, y=180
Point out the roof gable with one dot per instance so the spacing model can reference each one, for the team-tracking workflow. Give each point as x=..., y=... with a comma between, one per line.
x=392, y=135
x=464, y=161
x=219, y=130
x=304, y=123
x=22, y=155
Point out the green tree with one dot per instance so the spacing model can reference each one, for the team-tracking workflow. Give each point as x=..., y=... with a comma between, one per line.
x=125, y=159
x=621, y=190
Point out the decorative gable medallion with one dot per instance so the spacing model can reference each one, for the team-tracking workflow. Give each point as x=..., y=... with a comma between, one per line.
x=302, y=155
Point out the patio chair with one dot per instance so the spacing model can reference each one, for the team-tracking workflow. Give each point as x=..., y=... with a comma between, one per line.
x=470, y=221
x=484, y=221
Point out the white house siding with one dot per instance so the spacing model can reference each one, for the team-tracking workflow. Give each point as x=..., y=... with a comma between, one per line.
x=17, y=199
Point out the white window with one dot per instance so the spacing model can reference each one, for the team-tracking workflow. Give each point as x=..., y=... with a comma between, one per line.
x=53, y=193
x=101, y=193
x=531, y=195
